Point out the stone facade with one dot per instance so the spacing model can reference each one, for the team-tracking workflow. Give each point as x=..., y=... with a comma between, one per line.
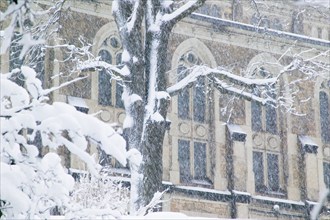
x=242, y=39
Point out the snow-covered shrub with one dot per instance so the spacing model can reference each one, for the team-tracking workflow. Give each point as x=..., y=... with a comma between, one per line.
x=32, y=184
x=101, y=193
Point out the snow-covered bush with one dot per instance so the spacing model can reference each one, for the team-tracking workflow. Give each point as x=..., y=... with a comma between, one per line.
x=101, y=193
x=32, y=184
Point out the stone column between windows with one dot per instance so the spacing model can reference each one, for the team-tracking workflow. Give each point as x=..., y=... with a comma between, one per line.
x=239, y=165
x=312, y=177
x=293, y=183
x=174, y=166
x=237, y=169
x=220, y=174
x=308, y=149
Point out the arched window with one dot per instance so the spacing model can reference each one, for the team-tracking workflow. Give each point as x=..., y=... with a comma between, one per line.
x=199, y=101
x=104, y=97
x=183, y=96
x=266, y=157
x=119, y=85
x=198, y=104
x=324, y=116
x=110, y=92
x=14, y=58
x=264, y=118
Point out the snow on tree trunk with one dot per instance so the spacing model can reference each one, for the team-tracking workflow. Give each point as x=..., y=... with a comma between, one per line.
x=144, y=66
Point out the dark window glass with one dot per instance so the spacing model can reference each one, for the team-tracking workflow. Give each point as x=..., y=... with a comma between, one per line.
x=273, y=172
x=277, y=24
x=119, y=86
x=215, y=11
x=183, y=96
x=15, y=52
x=326, y=172
x=104, y=97
x=298, y=23
x=114, y=42
x=258, y=169
x=119, y=92
x=104, y=159
x=255, y=19
x=271, y=118
x=200, y=160
x=271, y=115
x=256, y=113
x=184, y=160
x=324, y=116
x=199, y=101
x=118, y=58
x=37, y=61
x=14, y=60
x=326, y=176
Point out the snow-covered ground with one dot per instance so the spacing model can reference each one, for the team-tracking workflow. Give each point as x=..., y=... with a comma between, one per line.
x=154, y=215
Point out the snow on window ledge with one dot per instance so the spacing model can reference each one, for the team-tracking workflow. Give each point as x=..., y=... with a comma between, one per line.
x=236, y=133
x=308, y=145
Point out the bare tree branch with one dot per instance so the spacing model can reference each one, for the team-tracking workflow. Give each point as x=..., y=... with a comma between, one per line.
x=183, y=11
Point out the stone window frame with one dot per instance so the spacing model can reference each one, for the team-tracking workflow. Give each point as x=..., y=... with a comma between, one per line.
x=191, y=178
x=204, y=56
x=264, y=112
x=264, y=189
x=191, y=127
x=105, y=33
x=190, y=94
x=269, y=64
x=115, y=54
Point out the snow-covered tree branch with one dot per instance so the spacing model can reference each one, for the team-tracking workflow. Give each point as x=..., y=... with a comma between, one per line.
x=41, y=182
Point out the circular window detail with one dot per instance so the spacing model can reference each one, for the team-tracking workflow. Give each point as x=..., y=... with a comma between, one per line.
x=326, y=151
x=191, y=58
x=121, y=117
x=184, y=128
x=272, y=142
x=200, y=130
x=114, y=42
x=257, y=139
x=105, y=115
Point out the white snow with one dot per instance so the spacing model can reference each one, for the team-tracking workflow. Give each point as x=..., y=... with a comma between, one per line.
x=157, y=117
x=27, y=41
x=272, y=199
x=201, y=189
x=179, y=11
x=125, y=71
x=235, y=129
x=263, y=28
x=199, y=71
x=125, y=57
x=135, y=159
x=241, y=193
x=162, y=95
x=42, y=183
x=322, y=3
x=306, y=140
x=77, y=102
x=167, y=3
x=128, y=122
